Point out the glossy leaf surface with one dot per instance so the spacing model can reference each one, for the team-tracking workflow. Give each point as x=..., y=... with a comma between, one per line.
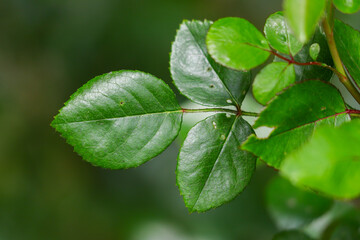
x=311, y=72
x=236, y=43
x=279, y=35
x=212, y=169
x=347, y=6
x=348, y=44
x=303, y=16
x=329, y=162
x=294, y=115
x=198, y=76
x=272, y=79
x=120, y=119
x=292, y=207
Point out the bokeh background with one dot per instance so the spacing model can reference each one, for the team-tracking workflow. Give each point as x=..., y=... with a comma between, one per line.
x=48, y=49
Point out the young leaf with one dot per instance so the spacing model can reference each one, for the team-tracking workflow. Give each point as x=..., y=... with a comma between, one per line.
x=292, y=207
x=329, y=162
x=120, y=119
x=303, y=16
x=294, y=115
x=347, y=6
x=291, y=235
x=236, y=43
x=313, y=71
x=272, y=79
x=279, y=35
x=198, y=76
x=211, y=167
x=348, y=44
x=324, y=56
x=314, y=51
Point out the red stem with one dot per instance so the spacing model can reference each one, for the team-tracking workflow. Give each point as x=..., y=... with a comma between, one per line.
x=292, y=61
x=352, y=111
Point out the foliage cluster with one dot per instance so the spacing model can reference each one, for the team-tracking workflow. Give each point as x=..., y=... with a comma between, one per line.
x=123, y=119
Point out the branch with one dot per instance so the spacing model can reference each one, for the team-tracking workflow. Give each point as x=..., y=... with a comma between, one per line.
x=336, y=57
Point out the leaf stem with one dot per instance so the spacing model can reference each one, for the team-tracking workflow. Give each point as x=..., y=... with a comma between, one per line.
x=249, y=114
x=220, y=110
x=327, y=24
x=353, y=112
x=292, y=61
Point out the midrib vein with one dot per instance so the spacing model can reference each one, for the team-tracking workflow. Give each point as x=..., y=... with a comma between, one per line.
x=122, y=117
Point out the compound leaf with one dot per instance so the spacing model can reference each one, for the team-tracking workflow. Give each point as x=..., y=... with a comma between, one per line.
x=212, y=169
x=294, y=115
x=279, y=35
x=292, y=207
x=120, y=119
x=198, y=76
x=272, y=79
x=329, y=162
x=236, y=43
x=303, y=16
x=347, y=6
x=348, y=43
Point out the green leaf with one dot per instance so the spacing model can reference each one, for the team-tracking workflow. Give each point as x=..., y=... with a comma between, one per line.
x=291, y=235
x=198, y=76
x=292, y=207
x=272, y=79
x=345, y=226
x=346, y=231
x=279, y=35
x=303, y=16
x=329, y=162
x=236, y=43
x=347, y=6
x=312, y=71
x=120, y=119
x=211, y=167
x=294, y=115
x=348, y=43
x=314, y=51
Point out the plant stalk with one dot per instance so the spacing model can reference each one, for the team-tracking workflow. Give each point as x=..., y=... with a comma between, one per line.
x=328, y=28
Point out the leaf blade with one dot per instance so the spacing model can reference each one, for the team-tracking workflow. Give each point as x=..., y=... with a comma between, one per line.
x=347, y=6
x=120, y=120
x=292, y=207
x=347, y=42
x=237, y=44
x=303, y=16
x=198, y=76
x=337, y=162
x=311, y=72
x=279, y=36
x=211, y=168
x=272, y=79
x=294, y=115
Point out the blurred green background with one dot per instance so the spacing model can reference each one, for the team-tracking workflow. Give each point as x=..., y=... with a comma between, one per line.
x=48, y=49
